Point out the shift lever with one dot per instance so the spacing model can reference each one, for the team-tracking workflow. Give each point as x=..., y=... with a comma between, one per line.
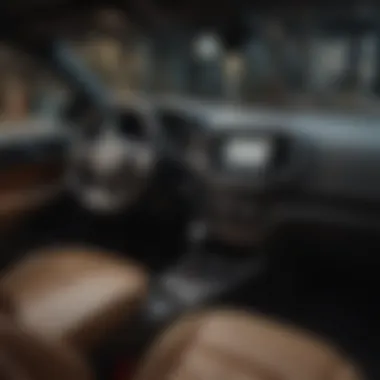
x=207, y=273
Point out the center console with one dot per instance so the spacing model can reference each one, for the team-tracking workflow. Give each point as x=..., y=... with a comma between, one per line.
x=239, y=173
x=236, y=173
x=207, y=273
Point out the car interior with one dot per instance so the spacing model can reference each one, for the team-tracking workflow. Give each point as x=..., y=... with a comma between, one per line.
x=229, y=231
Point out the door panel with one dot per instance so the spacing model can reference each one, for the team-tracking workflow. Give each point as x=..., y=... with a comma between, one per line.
x=25, y=188
x=31, y=172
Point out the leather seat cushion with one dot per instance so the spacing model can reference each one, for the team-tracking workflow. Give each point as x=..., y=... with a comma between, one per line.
x=75, y=294
x=6, y=303
x=24, y=356
x=236, y=345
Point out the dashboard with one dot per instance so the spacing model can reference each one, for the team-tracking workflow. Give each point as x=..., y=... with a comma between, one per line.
x=263, y=168
x=249, y=171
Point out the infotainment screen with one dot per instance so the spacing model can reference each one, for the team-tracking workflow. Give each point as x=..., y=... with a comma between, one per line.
x=247, y=153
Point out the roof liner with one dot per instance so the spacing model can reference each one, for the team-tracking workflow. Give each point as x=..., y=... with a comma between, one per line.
x=57, y=17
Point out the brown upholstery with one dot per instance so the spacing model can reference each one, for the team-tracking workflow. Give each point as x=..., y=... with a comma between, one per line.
x=27, y=357
x=234, y=345
x=7, y=306
x=76, y=295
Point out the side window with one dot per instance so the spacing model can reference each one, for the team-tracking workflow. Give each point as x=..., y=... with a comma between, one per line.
x=15, y=83
x=26, y=88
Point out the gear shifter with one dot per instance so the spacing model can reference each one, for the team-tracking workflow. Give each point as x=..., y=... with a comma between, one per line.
x=207, y=273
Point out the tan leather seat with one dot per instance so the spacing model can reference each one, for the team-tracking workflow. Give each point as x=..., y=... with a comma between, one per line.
x=27, y=357
x=77, y=295
x=7, y=306
x=231, y=345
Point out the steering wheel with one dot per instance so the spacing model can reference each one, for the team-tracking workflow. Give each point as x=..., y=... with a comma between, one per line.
x=113, y=160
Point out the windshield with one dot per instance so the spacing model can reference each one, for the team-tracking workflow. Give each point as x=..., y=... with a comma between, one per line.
x=308, y=58
x=317, y=61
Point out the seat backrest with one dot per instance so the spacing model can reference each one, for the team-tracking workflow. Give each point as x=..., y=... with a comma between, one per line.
x=236, y=345
x=24, y=356
x=77, y=295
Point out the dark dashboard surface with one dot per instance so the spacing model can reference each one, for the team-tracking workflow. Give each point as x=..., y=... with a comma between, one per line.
x=338, y=157
x=340, y=154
